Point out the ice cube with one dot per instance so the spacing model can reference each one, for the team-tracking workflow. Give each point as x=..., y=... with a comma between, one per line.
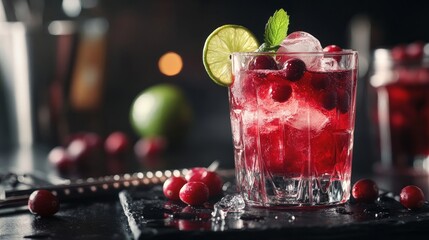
x=308, y=117
x=328, y=64
x=302, y=42
x=234, y=203
x=279, y=111
x=229, y=203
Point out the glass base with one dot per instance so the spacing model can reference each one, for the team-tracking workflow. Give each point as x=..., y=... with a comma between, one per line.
x=283, y=192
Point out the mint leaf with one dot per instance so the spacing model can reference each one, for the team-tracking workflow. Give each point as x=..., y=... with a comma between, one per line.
x=276, y=29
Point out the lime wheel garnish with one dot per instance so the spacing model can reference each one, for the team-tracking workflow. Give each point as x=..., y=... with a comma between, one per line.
x=218, y=48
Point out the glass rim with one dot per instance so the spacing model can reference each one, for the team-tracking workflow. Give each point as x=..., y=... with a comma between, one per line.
x=344, y=52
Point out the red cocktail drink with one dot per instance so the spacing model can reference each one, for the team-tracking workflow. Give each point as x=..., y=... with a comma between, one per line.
x=292, y=117
x=402, y=111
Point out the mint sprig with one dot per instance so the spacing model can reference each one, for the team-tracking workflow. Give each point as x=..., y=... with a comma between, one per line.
x=275, y=30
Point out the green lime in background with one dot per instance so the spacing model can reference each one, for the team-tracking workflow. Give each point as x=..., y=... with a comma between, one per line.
x=161, y=110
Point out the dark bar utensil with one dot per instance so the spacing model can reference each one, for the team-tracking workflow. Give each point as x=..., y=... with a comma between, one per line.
x=91, y=187
x=87, y=188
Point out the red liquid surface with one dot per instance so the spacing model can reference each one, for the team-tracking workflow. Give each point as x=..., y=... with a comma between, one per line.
x=308, y=135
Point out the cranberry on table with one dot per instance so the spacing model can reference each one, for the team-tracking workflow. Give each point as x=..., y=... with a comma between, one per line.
x=150, y=147
x=43, y=203
x=412, y=197
x=263, y=62
x=294, y=69
x=211, y=180
x=172, y=186
x=78, y=150
x=195, y=171
x=93, y=140
x=365, y=190
x=194, y=193
x=60, y=159
x=116, y=143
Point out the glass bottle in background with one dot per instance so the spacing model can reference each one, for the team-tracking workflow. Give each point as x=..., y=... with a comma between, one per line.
x=86, y=80
x=76, y=91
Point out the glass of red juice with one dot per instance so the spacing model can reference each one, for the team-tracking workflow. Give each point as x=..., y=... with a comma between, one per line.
x=401, y=110
x=292, y=117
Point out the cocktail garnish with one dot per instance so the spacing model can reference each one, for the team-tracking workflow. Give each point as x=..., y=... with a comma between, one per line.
x=275, y=31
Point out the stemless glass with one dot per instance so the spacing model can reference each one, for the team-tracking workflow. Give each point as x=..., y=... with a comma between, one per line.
x=400, y=113
x=293, y=130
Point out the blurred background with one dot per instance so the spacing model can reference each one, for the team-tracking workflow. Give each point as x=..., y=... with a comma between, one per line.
x=76, y=66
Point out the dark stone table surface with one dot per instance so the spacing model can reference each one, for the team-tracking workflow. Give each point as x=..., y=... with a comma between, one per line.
x=151, y=216
x=104, y=217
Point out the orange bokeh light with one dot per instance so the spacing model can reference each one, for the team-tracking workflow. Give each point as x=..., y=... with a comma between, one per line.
x=170, y=64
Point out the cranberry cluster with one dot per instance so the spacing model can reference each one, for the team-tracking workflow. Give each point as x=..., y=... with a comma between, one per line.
x=85, y=151
x=292, y=69
x=366, y=190
x=408, y=52
x=198, y=185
